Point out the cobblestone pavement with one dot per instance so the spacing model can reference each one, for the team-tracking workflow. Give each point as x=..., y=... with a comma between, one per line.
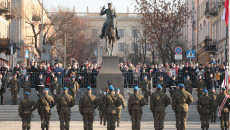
x=125, y=125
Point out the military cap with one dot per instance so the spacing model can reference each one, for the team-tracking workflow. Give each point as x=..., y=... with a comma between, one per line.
x=104, y=93
x=64, y=88
x=205, y=91
x=72, y=76
x=40, y=74
x=89, y=88
x=45, y=89
x=145, y=76
x=136, y=88
x=223, y=88
x=159, y=86
x=181, y=85
x=26, y=93
x=110, y=4
x=212, y=88
x=117, y=89
x=26, y=77
x=188, y=76
x=111, y=88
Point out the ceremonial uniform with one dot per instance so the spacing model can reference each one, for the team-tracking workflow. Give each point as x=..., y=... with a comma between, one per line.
x=123, y=104
x=145, y=88
x=14, y=88
x=73, y=87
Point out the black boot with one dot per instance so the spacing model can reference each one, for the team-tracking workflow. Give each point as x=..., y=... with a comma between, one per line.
x=214, y=119
x=226, y=128
x=104, y=123
x=117, y=36
x=118, y=125
x=101, y=123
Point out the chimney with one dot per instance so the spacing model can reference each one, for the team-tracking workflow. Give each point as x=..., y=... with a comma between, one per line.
x=87, y=9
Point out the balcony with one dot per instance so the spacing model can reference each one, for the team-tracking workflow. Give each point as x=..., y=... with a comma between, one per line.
x=5, y=45
x=210, y=48
x=36, y=18
x=213, y=12
x=9, y=16
x=207, y=10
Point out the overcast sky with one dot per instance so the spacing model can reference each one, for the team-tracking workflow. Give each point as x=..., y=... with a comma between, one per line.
x=93, y=5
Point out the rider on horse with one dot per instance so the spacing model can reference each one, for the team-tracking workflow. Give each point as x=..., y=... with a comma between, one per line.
x=110, y=13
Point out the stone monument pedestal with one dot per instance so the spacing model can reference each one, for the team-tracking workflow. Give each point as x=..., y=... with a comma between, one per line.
x=110, y=73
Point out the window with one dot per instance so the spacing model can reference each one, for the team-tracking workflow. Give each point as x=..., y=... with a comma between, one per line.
x=134, y=32
x=94, y=32
x=121, y=47
x=121, y=32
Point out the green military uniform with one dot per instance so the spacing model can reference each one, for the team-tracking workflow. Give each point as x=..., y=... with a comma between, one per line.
x=204, y=104
x=200, y=84
x=73, y=87
x=14, y=88
x=25, y=109
x=26, y=85
x=87, y=104
x=224, y=117
x=161, y=82
x=213, y=95
x=188, y=86
x=123, y=104
x=44, y=105
x=101, y=110
x=145, y=88
x=158, y=102
x=64, y=103
x=180, y=102
x=111, y=102
x=135, y=104
x=55, y=89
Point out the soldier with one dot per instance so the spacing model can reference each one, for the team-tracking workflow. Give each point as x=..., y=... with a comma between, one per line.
x=161, y=82
x=180, y=102
x=158, y=102
x=26, y=85
x=200, y=84
x=44, y=105
x=73, y=87
x=40, y=85
x=123, y=104
x=64, y=103
x=223, y=102
x=213, y=96
x=135, y=104
x=3, y=85
x=14, y=88
x=188, y=84
x=55, y=88
x=204, y=108
x=100, y=108
x=111, y=102
x=145, y=87
x=25, y=109
x=87, y=105
x=110, y=13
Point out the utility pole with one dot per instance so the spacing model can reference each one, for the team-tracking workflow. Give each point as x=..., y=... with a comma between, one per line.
x=65, y=51
x=42, y=29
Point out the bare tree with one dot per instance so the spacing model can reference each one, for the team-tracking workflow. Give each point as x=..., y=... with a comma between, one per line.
x=164, y=20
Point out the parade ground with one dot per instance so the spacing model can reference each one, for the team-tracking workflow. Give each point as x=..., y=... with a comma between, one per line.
x=125, y=125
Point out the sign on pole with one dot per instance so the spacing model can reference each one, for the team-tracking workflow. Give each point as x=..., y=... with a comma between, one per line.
x=178, y=50
x=190, y=54
x=178, y=56
x=27, y=54
x=11, y=49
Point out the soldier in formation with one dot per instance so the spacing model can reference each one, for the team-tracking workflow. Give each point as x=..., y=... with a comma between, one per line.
x=163, y=85
x=213, y=95
x=55, y=88
x=135, y=104
x=200, y=84
x=145, y=87
x=44, y=105
x=14, y=88
x=180, y=102
x=3, y=85
x=64, y=104
x=25, y=109
x=204, y=104
x=87, y=105
x=223, y=101
x=101, y=110
x=188, y=84
x=26, y=85
x=111, y=102
x=73, y=87
x=123, y=104
x=158, y=102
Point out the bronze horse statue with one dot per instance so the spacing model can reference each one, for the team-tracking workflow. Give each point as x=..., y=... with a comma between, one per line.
x=110, y=36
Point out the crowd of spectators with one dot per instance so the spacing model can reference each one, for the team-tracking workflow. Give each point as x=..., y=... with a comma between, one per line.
x=86, y=73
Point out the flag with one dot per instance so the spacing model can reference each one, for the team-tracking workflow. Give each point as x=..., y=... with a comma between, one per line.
x=226, y=81
x=226, y=12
